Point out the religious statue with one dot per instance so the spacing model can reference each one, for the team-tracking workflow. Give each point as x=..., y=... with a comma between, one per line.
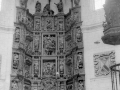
x=76, y=2
x=14, y=85
x=15, y=60
x=47, y=10
x=81, y=85
x=38, y=7
x=17, y=34
x=60, y=6
x=23, y=3
x=80, y=60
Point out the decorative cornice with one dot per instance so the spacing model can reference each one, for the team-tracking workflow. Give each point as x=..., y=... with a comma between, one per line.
x=92, y=28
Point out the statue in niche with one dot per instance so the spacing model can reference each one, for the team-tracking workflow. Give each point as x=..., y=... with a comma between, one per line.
x=17, y=34
x=76, y=2
x=60, y=25
x=78, y=34
x=49, y=24
x=14, y=85
x=23, y=3
x=79, y=60
x=38, y=7
x=59, y=6
x=15, y=60
x=61, y=70
x=27, y=72
x=36, y=69
x=37, y=24
x=36, y=44
x=61, y=42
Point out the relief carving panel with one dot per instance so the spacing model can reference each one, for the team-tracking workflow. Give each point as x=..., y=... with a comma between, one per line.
x=49, y=44
x=102, y=63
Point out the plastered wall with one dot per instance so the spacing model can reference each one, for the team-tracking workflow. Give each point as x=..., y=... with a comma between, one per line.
x=92, y=32
x=6, y=38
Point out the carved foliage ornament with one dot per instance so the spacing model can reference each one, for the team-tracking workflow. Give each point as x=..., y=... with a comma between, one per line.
x=102, y=63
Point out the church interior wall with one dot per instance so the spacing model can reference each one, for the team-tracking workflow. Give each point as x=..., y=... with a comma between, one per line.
x=6, y=56
x=6, y=39
x=92, y=33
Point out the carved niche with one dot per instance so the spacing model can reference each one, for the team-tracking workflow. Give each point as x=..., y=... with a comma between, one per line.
x=61, y=66
x=61, y=42
x=37, y=43
x=102, y=63
x=37, y=23
x=112, y=23
x=19, y=36
x=79, y=63
x=69, y=66
x=36, y=67
x=16, y=61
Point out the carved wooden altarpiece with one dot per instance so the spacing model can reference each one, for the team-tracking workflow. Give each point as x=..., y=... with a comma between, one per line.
x=47, y=48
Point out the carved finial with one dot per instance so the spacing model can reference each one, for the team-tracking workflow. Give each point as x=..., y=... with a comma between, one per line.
x=59, y=6
x=38, y=6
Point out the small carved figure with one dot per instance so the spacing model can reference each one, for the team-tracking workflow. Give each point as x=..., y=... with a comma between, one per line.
x=17, y=34
x=38, y=6
x=23, y=3
x=81, y=85
x=78, y=35
x=15, y=60
x=80, y=60
x=36, y=44
x=59, y=6
x=76, y=2
x=47, y=10
x=14, y=85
